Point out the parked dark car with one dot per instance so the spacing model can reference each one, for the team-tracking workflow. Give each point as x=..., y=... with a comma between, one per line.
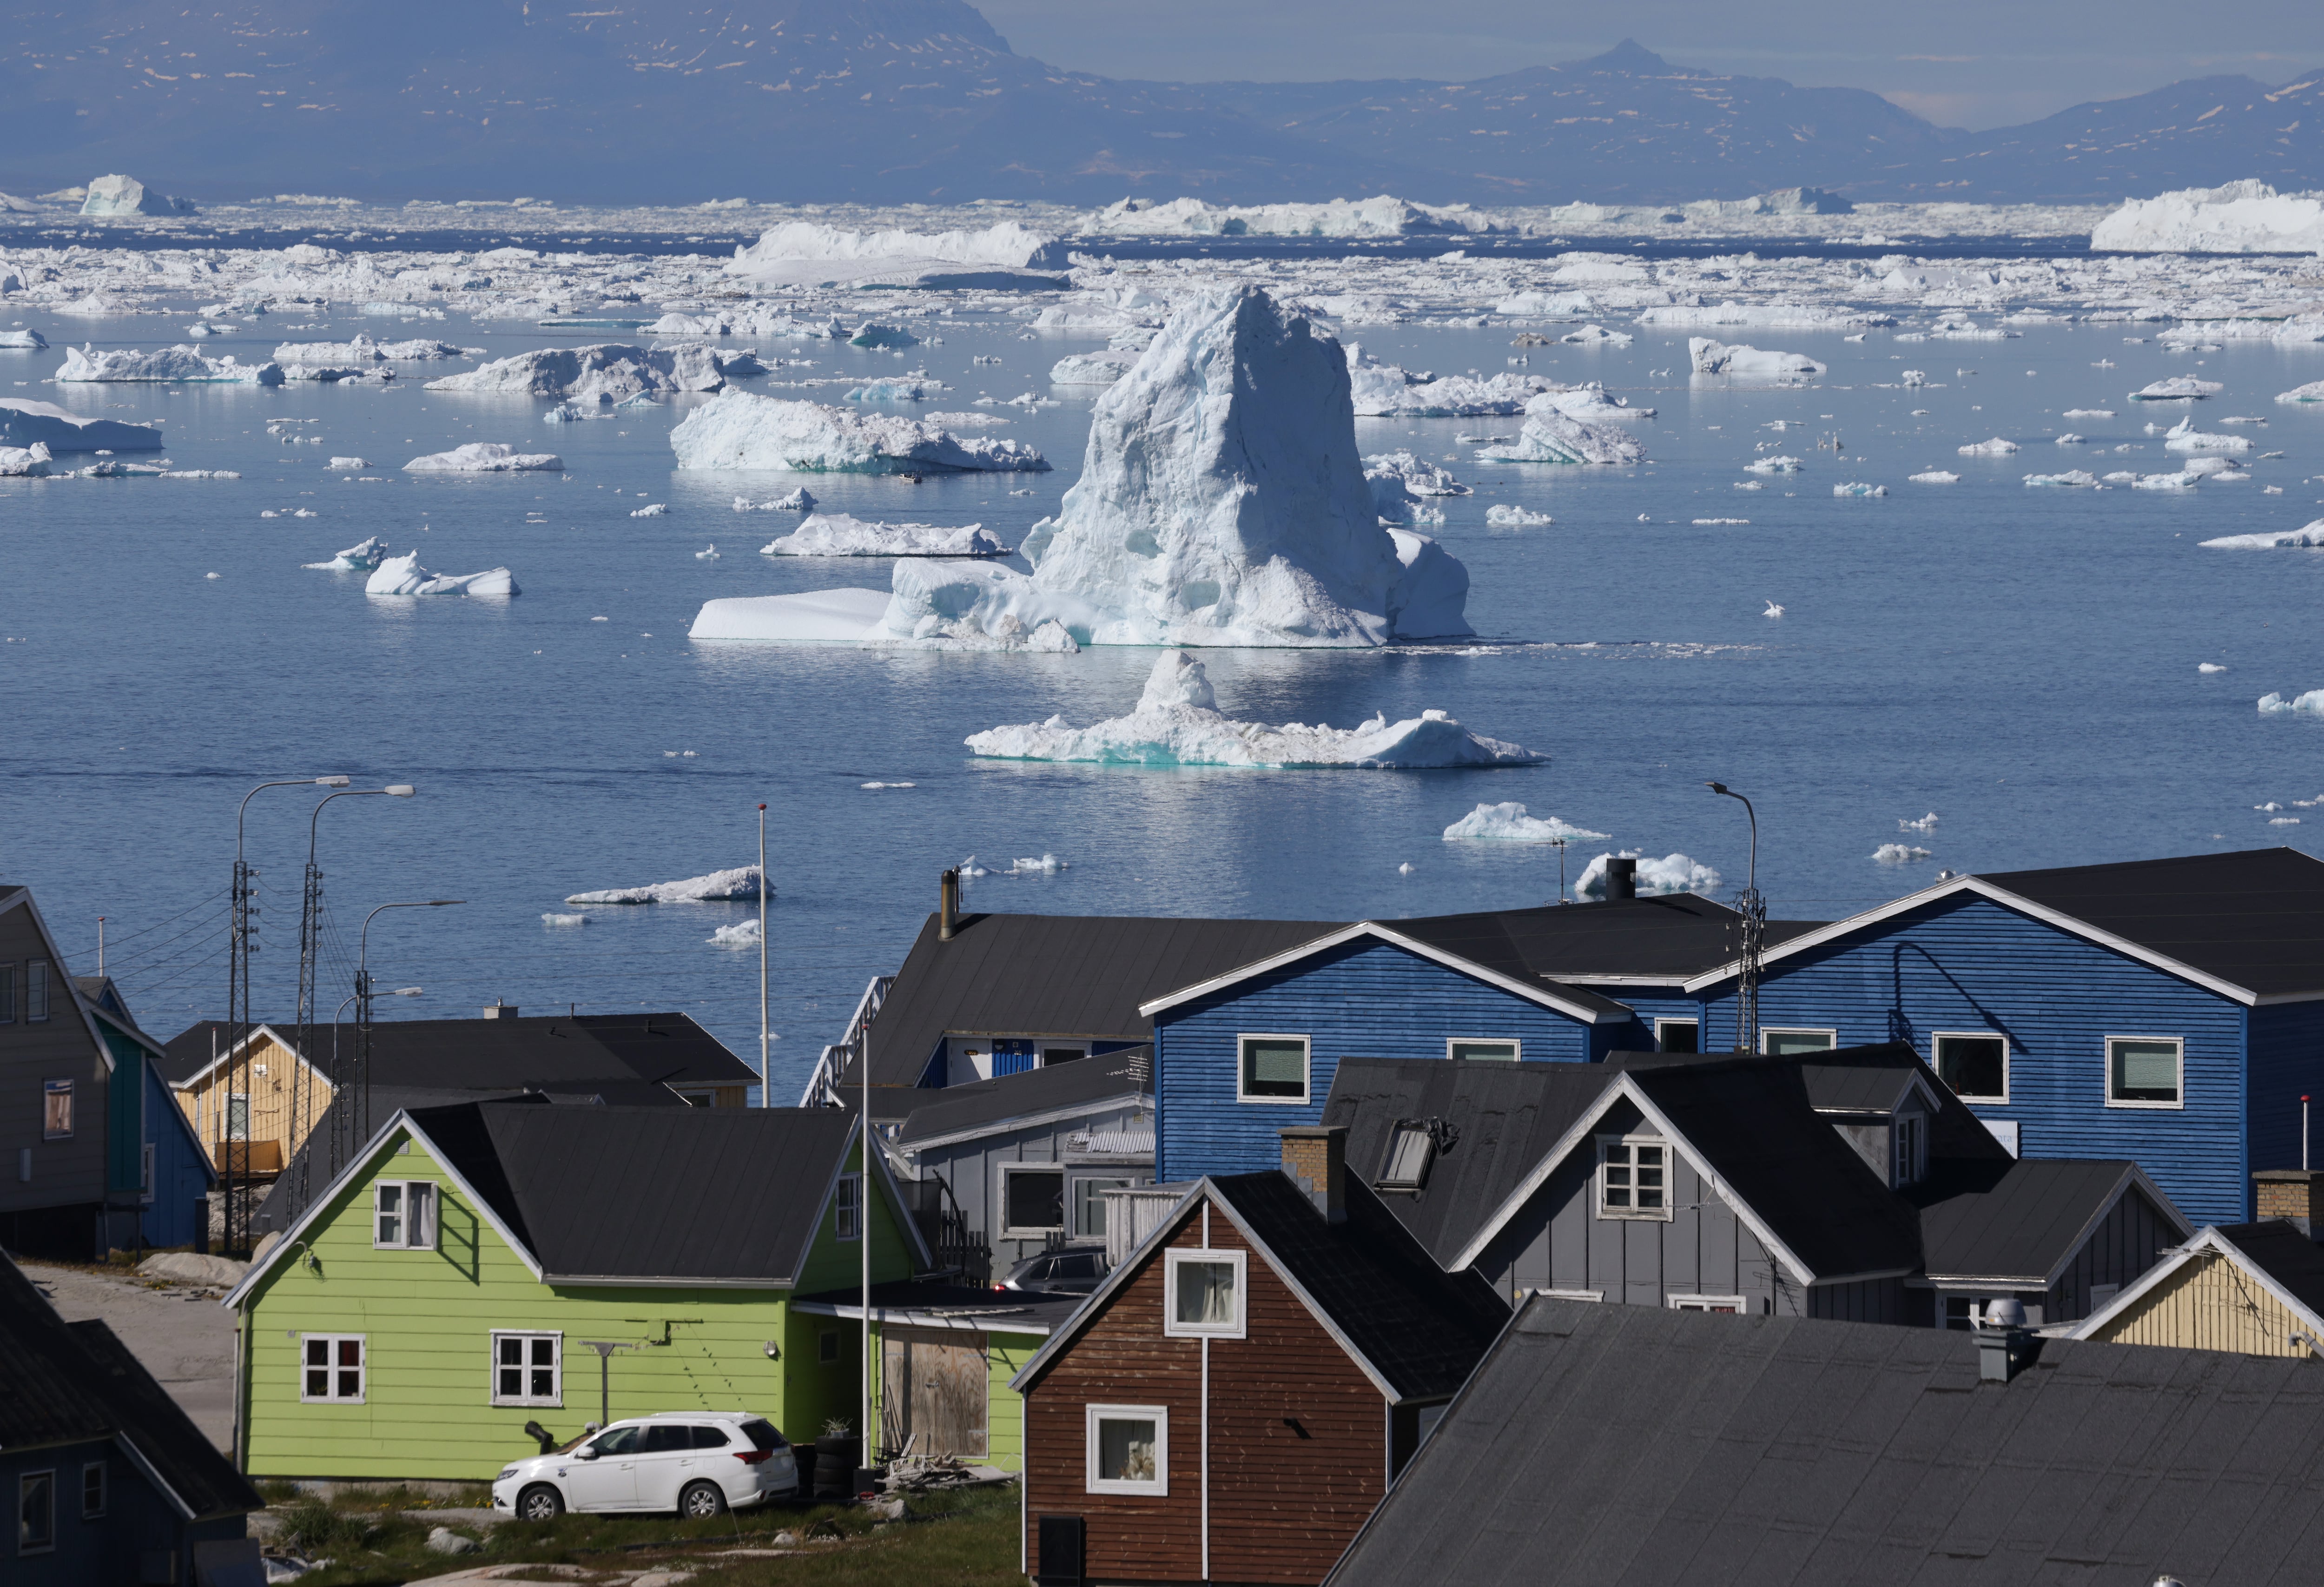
x=1060, y=1272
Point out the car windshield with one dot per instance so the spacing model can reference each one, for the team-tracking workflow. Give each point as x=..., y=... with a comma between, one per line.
x=617, y=1441
x=763, y=1434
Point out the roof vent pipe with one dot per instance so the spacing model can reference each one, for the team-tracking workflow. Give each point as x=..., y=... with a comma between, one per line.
x=1621, y=876
x=947, y=904
x=2005, y=1345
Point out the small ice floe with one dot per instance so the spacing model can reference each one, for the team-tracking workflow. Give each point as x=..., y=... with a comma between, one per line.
x=742, y=934
x=2074, y=479
x=2313, y=391
x=2184, y=480
x=905, y=390
x=2089, y=414
x=2179, y=388
x=1772, y=465
x=1773, y=610
x=969, y=867
x=2271, y=805
x=1935, y=476
x=871, y=335
x=1897, y=854
x=2069, y=440
x=1709, y=357
x=348, y=465
x=651, y=510
x=1509, y=823
x=1749, y=485
x=1504, y=516
x=708, y=553
x=2209, y=666
x=1405, y=869
x=361, y=558
x=1177, y=722
x=882, y=785
x=2285, y=821
x=1721, y=523
x=211, y=575
x=1996, y=448
x=717, y=887
x=1671, y=873
x=2224, y=470
x=403, y=576
x=1043, y=865
x=2311, y=702
x=556, y=919
x=486, y=457
x=565, y=414
x=1927, y=823
x=2183, y=437
x=1595, y=335
x=1857, y=487
x=799, y=500
x=837, y=534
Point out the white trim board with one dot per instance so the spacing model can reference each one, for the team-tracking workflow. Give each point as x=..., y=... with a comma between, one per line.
x=1547, y=997
x=1026, y=1121
x=2209, y=1240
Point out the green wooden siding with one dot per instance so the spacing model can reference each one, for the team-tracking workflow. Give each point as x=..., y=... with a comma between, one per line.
x=428, y=1318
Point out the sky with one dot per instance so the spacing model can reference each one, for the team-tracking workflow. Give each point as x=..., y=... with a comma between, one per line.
x=1969, y=63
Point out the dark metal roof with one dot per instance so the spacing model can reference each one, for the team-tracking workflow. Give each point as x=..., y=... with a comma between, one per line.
x=1868, y=1079
x=72, y=1383
x=1623, y=1446
x=705, y=1194
x=1057, y=975
x=1674, y=936
x=2255, y=918
x=2284, y=1254
x=2018, y=1220
x=1105, y=1078
x=1421, y=1328
x=546, y=1052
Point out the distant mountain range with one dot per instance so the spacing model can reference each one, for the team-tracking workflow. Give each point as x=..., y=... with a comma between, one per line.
x=896, y=101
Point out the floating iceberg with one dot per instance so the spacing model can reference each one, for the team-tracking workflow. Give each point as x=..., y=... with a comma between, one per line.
x=22, y=341
x=1177, y=722
x=1935, y=476
x=2313, y=391
x=2178, y=387
x=2080, y=479
x=1671, y=873
x=1400, y=480
x=2089, y=413
x=553, y=919
x=403, y=576
x=1897, y=854
x=2310, y=537
x=607, y=372
x=1101, y=368
x=126, y=195
x=363, y=349
x=742, y=934
x=718, y=886
x=1774, y=316
x=1996, y=448
x=1005, y=256
x=1383, y=216
x=486, y=457
x=1774, y=465
x=1504, y=516
x=1588, y=401
x=835, y=534
x=1709, y=357
x=1537, y=305
x=836, y=617
x=1550, y=435
x=85, y=366
x=348, y=465
x=2184, y=480
x=737, y=430
x=1377, y=390
x=2184, y=436
x=24, y=462
x=2241, y=217
x=873, y=335
x=1857, y=487
x=1591, y=336
x=24, y=423
x=897, y=390
x=2311, y=702
x=1509, y=823
x=798, y=501
x=358, y=559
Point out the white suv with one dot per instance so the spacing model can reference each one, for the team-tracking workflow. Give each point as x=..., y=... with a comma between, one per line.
x=695, y=1463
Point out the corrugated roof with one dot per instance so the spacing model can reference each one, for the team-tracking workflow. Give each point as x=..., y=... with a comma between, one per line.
x=542, y=1052
x=1623, y=1446
x=1108, y=1078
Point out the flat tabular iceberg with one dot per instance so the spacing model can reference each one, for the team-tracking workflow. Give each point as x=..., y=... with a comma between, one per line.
x=1709, y=357
x=26, y=423
x=738, y=429
x=835, y=534
x=804, y=254
x=1996, y=448
x=2241, y=217
x=2311, y=536
x=1786, y=316
x=486, y=457
x=2177, y=388
x=1377, y=390
x=1934, y=476
x=2313, y=391
x=403, y=576
x=171, y=365
x=1383, y=216
x=2073, y=478
x=1508, y=823
x=2185, y=437
x=606, y=371
x=363, y=349
x=1671, y=873
x=718, y=886
x=1177, y=722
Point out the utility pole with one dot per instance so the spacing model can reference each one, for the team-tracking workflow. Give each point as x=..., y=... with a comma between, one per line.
x=1753, y=911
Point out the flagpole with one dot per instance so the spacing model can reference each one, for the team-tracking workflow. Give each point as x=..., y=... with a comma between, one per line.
x=766, y=1076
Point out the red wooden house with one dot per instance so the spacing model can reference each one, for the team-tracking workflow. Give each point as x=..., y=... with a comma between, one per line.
x=1233, y=1401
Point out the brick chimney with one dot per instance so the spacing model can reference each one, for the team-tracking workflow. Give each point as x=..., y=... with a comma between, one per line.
x=2295, y=1194
x=1316, y=1157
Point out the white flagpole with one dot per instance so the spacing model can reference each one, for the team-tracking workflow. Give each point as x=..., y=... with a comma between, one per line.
x=766, y=1076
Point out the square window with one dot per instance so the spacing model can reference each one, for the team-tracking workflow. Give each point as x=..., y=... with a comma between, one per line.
x=1032, y=1201
x=527, y=1369
x=2144, y=1071
x=1633, y=1178
x=1505, y=1052
x=1410, y=1151
x=1274, y=1069
x=36, y=1512
x=92, y=1490
x=1974, y=1063
x=847, y=1210
x=1784, y=1044
x=1203, y=1296
x=403, y=1214
x=1089, y=1205
x=56, y=1109
x=1129, y=1449
x=1678, y=1035
x=331, y=1367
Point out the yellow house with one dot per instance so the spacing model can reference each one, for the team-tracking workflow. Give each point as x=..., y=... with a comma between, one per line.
x=2250, y=1289
x=254, y=1097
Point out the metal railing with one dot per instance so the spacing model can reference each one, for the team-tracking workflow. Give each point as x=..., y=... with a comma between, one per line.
x=823, y=1086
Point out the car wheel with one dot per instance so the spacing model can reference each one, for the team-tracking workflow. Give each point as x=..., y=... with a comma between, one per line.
x=539, y=1502
x=702, y=1502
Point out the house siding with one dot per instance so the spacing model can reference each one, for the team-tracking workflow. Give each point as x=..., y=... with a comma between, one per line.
x=180, y=1173
x=1652, y=1005
x=1967, y=964
x=1365, y=998
x=1282, y=1508
x=2208, y=1305
x=972, y=1170
x=60, y=1211
x=2286, y=1043
x=2127, y=1242
x=138, y=1521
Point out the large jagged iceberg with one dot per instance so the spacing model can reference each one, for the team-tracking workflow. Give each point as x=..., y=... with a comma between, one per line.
x=1709, y=357
x=403, y=576
x=606, y=371
x=802, y=253
x=718, y=886
x=85, y=366
x=2240, y=218
x=835, y=534
x=1177, y=722
x=126, y=195
x=27, y=423
x=738, y=429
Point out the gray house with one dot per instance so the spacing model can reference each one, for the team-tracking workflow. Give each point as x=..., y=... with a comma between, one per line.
x=1849, y=1184
x=1028, y=1158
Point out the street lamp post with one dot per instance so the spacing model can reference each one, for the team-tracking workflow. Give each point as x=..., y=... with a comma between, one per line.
x=1753, y=911
x=766, y=1080
x=357, y=1116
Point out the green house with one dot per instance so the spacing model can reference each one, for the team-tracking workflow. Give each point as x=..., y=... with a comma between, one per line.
x=486, y=1266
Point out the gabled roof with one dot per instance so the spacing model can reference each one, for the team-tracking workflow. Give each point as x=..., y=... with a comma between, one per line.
x=21, y=897
x=1056, y=1092
x=2021, y=1222
x=1413, y=1329
x=1647, y=941
x=1628, y=1445
x=1873, y=1078
x=2248, y=925
x=2273, y=1256
x=552, y=1052
x=70, y=1383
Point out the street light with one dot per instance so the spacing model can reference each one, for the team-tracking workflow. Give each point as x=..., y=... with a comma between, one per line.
x=1753, y=911
x=360, y=1129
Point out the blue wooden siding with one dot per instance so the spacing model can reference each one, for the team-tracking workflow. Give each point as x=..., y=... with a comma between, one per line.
x=1655, y=1003
x=2287, y=1063
x=1968, y=964
x=181, y=1175
x=1363, y=999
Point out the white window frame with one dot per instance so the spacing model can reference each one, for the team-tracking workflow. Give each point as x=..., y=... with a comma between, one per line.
x=1010, y=1231
x=104, y=1490
x=1830, y=1033
x=1516, y=1047
x=1178, y=1257
x=332, y=1369
x=24, y=1480
x=847, y=1207
x=556, y=1400
x=1159, y=1415
x=2006, y=1056
x=1695, y=1023
x=402, y=1214
x=1661, y=1214
x=227, y=1119
x=1709, y=1303
x=65, y=1089
x=2107, y=1079
x=1306, y=1068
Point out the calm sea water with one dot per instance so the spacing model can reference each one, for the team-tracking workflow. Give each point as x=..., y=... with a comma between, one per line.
x=2021, y=661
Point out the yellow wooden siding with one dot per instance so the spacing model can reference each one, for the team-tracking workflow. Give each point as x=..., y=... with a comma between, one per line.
x=280, y=1109
x=2209, y=1304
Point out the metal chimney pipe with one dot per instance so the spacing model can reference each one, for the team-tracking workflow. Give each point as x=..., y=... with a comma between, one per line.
x=1621, y=878
x=947, y=904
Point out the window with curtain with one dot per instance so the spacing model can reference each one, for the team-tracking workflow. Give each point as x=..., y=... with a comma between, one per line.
x=56, y=1109
x=1129, y=1449
x=403, y=1214
x=1205, y=1294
